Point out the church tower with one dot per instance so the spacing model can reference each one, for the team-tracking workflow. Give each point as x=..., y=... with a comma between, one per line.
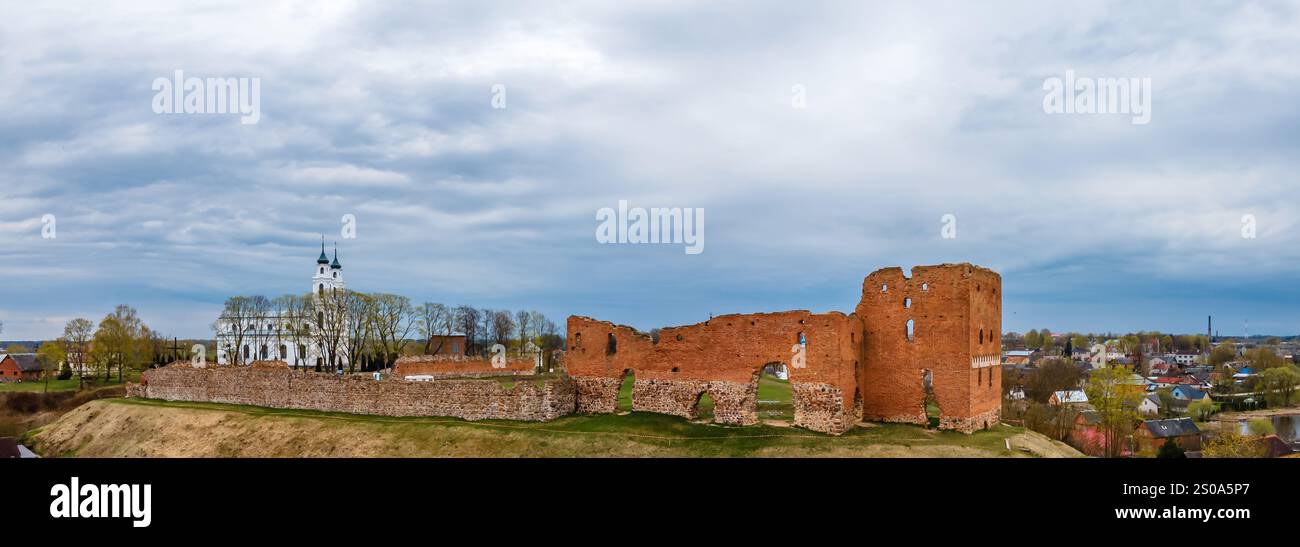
x=328, y=277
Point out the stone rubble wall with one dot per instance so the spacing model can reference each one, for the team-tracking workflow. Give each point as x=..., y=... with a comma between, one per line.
x=469, y=399
x=821, y=407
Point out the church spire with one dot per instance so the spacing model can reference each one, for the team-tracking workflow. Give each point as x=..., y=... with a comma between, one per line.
x=335, y=265
x=323, y=259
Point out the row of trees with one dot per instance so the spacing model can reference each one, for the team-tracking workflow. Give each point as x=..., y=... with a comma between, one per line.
x=119, y=342
x=370, y=331
x=1044, y=340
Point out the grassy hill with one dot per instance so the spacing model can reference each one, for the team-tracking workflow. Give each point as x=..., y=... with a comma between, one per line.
x=152, y=428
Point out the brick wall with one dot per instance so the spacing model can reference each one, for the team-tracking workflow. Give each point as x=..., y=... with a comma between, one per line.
x=861, y=365
x=279, y=387
x=956, y=315
x=458, y=366
x=721, y=357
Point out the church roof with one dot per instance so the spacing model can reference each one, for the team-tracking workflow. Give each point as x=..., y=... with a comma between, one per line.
x=323, y=259
x=335, y=265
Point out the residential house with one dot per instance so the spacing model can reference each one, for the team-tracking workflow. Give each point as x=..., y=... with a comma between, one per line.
x=1152, y=434
x=1150, y=405
x=1087, y=435
x=1070, y=397
x=1274, y=446
x=1189, y=393
x=1020, y=357
x=19, y=367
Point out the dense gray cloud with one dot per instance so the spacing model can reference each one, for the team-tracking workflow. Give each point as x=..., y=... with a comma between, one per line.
x=913, y=111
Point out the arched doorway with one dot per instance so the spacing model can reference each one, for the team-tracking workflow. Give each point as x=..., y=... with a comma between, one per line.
x=703, y=407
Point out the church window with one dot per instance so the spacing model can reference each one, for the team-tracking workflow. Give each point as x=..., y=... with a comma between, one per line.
x=321, y=289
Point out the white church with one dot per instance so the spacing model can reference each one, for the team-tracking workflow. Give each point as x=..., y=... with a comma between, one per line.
x=262, y=342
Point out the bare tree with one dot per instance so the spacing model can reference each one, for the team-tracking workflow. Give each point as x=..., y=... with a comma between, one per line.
x=361, y=312
x=329, y=326
x=537, y=322
x=259, y=309
x=503, y=327
x=485, y=319
x=296, y=324
x=467, y=321
x=76, y=337
x=393, y=323
x=282, y=325
x=433, y=319
x=236, y=322
x=522, y=320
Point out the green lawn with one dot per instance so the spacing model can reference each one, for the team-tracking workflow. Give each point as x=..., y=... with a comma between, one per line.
x=775, y=399
x=71, y=384
x=634, y=434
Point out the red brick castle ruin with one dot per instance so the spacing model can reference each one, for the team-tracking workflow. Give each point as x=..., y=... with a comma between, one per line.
x=940, y=328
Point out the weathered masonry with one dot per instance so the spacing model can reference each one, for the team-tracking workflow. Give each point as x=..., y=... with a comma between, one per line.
x=273, y=384
x=932, y=336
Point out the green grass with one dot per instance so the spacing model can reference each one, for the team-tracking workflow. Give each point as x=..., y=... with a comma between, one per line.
x=775, y=398
x=637, y=432
x=625, y=394
x=71, y=384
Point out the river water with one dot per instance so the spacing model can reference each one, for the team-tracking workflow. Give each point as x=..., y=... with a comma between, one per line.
x=1288, y=427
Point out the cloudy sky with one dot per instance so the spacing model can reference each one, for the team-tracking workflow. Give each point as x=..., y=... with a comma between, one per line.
x=823, y=140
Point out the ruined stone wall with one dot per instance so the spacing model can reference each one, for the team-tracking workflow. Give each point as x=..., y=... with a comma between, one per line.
x=459, y=366
x=955, y=310
x=721, y=357
x=280, y=387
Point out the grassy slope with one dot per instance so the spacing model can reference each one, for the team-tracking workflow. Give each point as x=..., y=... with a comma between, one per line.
x=138, y=427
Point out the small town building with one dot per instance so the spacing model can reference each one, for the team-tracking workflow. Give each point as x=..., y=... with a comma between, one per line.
x=1189, y=393
x=1152, y=434
x=19, y=367
x=1150, y=405
x=1070, y=397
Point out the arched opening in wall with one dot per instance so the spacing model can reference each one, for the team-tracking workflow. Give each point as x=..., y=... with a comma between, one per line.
x=704, y=407
x=625, y=391
x=907, y=302
x=611, y=345
x=577, y=340
x=911, y=330
x=932, y=410
x=775, y=397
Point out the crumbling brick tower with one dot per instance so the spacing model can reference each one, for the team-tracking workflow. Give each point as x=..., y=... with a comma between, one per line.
x=941, y=326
